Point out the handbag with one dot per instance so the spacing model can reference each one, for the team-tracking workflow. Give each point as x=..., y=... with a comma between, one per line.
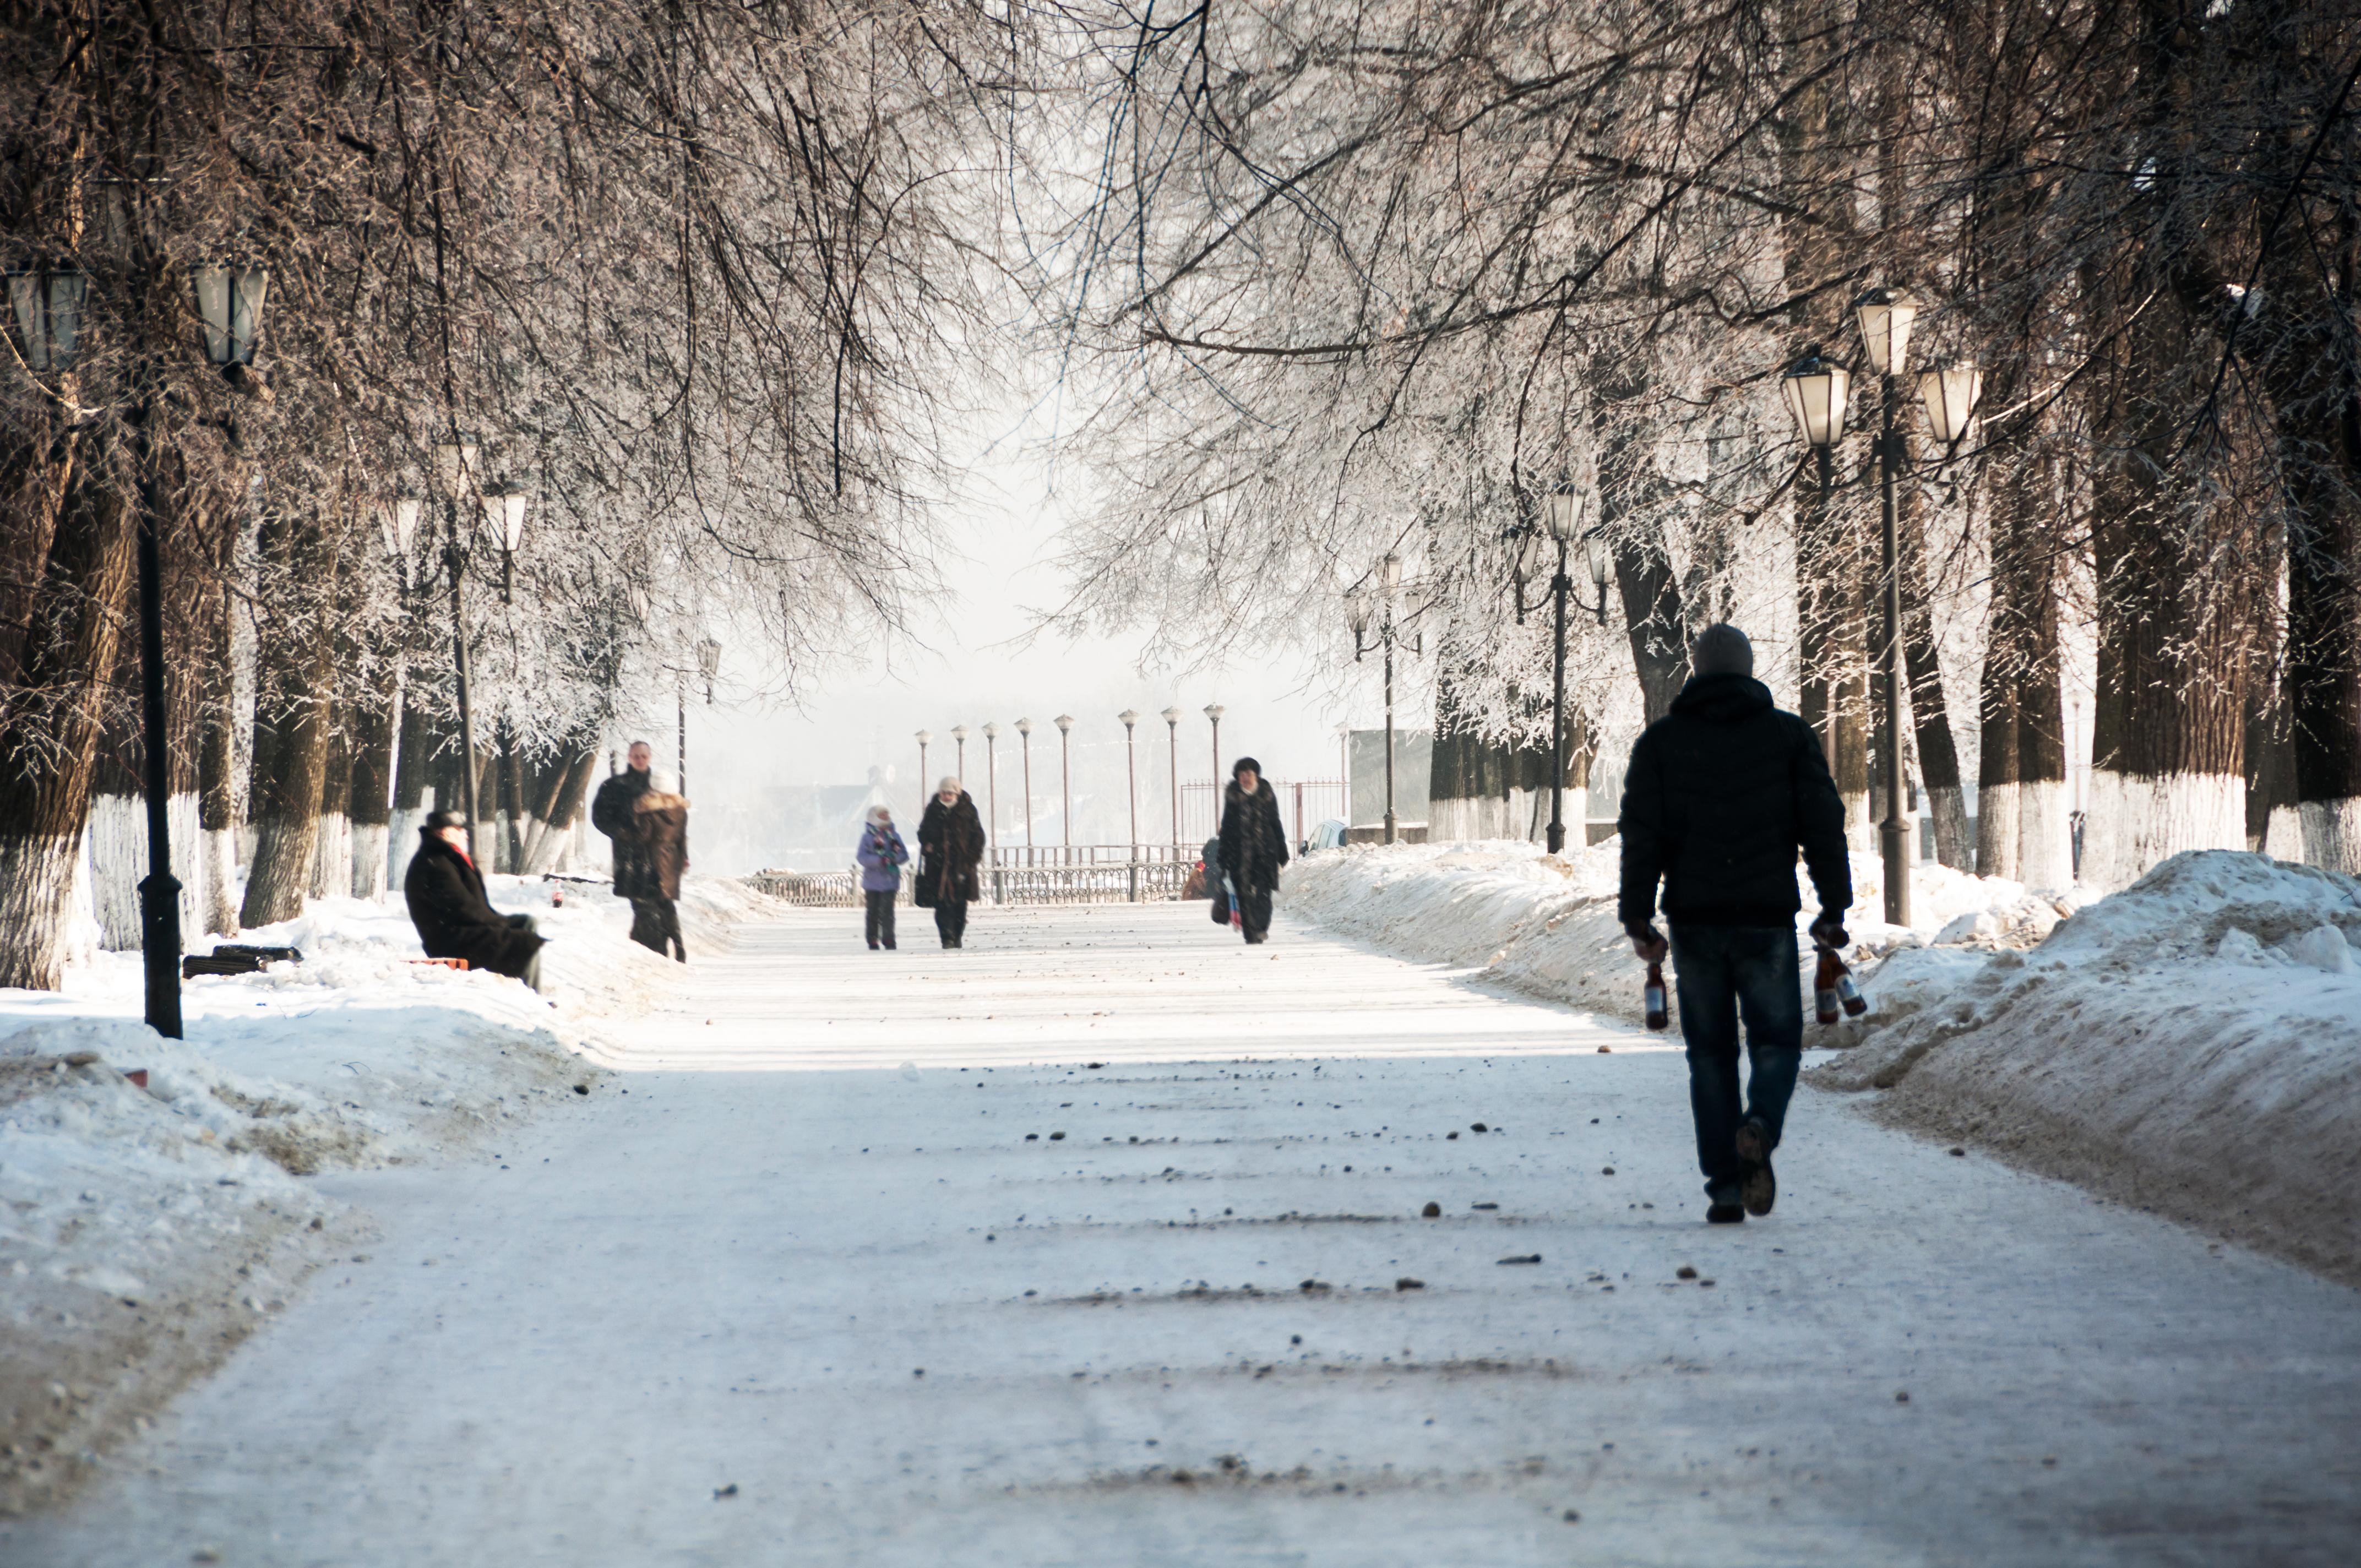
x=1221, y=892
x=922, y=886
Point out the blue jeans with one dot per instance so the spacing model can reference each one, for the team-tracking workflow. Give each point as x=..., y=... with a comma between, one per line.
x=1723, y=973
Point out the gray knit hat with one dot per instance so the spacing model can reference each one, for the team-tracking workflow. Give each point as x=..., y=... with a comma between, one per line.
x=1722, y=650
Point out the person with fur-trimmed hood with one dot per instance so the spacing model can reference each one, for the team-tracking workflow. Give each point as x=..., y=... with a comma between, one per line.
x=1254, y=846
x=950, y=845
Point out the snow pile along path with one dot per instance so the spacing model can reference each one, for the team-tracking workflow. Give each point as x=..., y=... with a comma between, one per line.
x=146, y=1228
x=1545, y=924
x=2192, y=1044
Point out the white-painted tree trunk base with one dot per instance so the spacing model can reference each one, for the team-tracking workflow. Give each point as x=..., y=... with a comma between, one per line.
x=368, y=859
x=220, y=919
x=2283, y=834
x=2330, y=832
x=2045, y=836
x=1953, y=846
x=1860, y=832
x=116, y=839
x=116, y=849
x=1999, y=844
x=401, y=839
x=2136, y=823
x=45, y=912
x=332, y=856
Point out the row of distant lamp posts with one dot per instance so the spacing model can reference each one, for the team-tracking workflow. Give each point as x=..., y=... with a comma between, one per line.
x=1816, y=391
x=47, y=303
x=1129, y=718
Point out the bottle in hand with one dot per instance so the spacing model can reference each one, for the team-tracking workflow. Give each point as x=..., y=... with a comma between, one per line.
x=1659, y=1016
x=1833, y=989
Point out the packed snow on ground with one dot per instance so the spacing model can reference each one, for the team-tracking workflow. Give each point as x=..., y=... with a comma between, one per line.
x=143, y=1229
x=1545, y=924
x=2192, y=1044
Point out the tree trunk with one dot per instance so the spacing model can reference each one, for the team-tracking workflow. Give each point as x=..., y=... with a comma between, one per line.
x=1930, y=714
x=2273, y=827
x=413, y=791
x=332, y=845
x=1627, y=499
x=374, y=727
x=217, y=773
x=295, y=659
x=69, y=549
x=2308, y=371
x=571, y=787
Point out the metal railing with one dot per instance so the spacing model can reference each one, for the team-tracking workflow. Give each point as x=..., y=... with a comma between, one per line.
x=1077, y=873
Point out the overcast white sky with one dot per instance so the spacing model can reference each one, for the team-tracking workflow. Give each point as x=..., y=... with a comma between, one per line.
x=972, y=661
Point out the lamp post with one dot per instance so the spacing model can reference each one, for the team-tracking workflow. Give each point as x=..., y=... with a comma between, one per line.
x=1065, y=723
x=454, y=464
x=1885, y=319
x=1565, y=524
x=1131, y=789
x=958, y=736
x=1379, y=606
x=926, y=788
x=1214, y=710
x=1344, y=767
x=1172, y=717
x=1024, y=739
x=992, y=794
x=709, y=664
x=503, y=507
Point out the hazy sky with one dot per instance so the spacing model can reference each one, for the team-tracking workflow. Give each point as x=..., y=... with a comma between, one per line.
x=970, y=661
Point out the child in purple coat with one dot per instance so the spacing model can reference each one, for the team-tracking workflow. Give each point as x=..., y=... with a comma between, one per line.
x=882, y=856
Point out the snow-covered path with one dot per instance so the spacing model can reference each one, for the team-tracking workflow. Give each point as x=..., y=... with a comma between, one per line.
x=909, y=1324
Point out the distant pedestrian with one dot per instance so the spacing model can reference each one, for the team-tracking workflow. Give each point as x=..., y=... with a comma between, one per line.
x=446, y=895
x=663, y=819
x=1721, y=793
x=882, y=855
x=1253, y=846
x=951, y=846
x=614, y=811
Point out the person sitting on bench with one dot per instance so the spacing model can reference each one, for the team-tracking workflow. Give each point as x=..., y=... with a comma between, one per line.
x=446, y=894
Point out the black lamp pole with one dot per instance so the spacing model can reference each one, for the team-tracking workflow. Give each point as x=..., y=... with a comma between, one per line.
x=160, y=893
x=1559, y=586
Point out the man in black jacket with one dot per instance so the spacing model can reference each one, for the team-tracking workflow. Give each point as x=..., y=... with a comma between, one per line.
x=614, y=811
x=1253, y=846
x=446, y=895
x=1721, y=793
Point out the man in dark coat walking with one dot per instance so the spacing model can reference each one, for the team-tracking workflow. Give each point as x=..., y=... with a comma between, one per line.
x=950, y=845
x=446, y=895
x=655, y=922
x=1254, y=846
x=1721, y=793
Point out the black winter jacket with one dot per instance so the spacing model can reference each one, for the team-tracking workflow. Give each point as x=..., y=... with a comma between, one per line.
x=445, y=895
x=1253, y=840
x=612, y=813
x=1721, y=793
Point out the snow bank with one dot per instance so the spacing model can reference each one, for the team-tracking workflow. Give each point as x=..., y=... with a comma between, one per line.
x=2192, y=1045
x=143, y=1230
x=1545, y=924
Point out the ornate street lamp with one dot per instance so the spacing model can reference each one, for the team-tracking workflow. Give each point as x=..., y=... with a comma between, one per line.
x=709, y=664
x=1816, y=390
x=48, y=305
x=958, y=734
x=504, y=507
x=1214, y=710
x=1172, y=717
x=1951, y=393
x=1565, y=510
x=926, y=785
x=1065, y=723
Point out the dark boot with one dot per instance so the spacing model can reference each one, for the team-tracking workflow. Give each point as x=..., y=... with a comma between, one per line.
x=1760, y=1188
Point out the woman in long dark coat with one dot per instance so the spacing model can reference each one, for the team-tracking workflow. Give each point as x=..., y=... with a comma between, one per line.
x=1254, y=845
x=951, y=846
